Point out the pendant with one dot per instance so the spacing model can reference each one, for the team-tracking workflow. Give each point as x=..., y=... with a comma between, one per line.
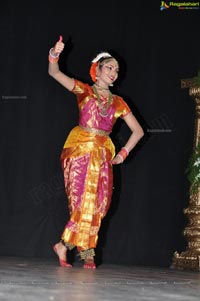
x=103, y=113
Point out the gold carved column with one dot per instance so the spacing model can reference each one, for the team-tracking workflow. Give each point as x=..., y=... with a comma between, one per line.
x=190, y=258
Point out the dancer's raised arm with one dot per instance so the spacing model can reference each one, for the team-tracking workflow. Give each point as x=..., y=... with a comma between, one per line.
x=54, y=70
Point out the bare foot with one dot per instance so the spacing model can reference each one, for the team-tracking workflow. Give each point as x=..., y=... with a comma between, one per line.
x=89, y=263
x=61, y=251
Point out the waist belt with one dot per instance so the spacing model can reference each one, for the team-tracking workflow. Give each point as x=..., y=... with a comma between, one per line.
x=95, y=131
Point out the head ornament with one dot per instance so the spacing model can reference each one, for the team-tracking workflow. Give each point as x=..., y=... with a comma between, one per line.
x=94, y=64
x=101, y=55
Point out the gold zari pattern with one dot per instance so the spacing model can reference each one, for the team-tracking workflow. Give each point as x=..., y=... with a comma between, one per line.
x=95, y=131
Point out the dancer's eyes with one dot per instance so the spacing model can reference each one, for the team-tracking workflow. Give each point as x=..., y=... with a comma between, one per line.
x=110, y=67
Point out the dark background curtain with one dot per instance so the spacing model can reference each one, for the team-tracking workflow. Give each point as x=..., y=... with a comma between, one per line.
x=155, y=50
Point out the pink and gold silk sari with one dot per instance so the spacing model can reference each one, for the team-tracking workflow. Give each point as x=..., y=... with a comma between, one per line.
x=86, y=162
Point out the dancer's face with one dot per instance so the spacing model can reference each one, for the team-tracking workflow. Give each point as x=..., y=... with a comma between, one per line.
x=108, y=71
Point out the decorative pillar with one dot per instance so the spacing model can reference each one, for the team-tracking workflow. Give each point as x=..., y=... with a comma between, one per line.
x=190, y=258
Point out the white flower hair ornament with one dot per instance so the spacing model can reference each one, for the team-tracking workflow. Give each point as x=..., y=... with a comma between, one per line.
x=101, y=55
x=94, y=64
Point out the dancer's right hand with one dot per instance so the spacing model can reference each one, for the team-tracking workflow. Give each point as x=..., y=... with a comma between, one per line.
x=59, y=46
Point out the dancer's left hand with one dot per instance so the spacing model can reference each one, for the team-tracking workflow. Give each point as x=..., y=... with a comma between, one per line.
x=116, y=160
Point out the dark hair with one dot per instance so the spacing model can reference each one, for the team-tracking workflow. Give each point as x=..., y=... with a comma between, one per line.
x=105, y=60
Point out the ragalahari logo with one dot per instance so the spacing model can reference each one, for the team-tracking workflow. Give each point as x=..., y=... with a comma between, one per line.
x=164, y=5
x=179, y=5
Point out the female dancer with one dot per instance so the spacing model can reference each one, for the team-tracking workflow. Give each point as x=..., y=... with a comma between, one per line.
x=88, y=153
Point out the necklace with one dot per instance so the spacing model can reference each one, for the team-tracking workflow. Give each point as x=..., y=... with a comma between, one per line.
x=103, y=109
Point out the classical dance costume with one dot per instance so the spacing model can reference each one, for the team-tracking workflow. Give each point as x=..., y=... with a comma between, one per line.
x=86, y=163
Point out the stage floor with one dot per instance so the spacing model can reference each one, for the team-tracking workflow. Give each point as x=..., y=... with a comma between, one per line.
x=43, y=279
